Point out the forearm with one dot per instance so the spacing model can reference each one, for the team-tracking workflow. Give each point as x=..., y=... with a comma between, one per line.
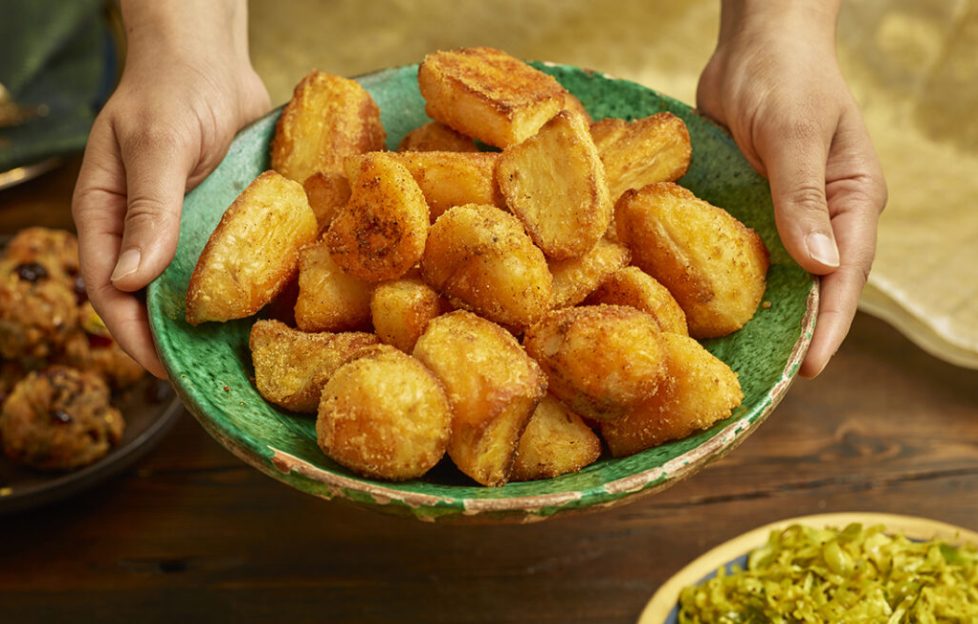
x=740, y=19
x=185, y=26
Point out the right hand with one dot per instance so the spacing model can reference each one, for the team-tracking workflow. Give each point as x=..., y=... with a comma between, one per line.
x=774, y=82
x=181, y=99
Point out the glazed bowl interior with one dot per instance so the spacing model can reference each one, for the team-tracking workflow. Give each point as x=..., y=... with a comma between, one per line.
x=210, y=366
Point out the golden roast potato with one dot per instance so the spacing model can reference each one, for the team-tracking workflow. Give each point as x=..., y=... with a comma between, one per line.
x=328, y=118
x=487, y=94
x=554, y=183
x=436, y=137
x=329, y=299
x=601, y=360
x=253, y=252
x=480, y=258
x=638, y=153
x=700, y=390
x=556, y=441
x=713, y=264
x=384, y=415
x=327, y=194
x=292, y=366
x=493, y=387
x=380, y=233
x=576, y=278
x=401, y=309
x=631, y=286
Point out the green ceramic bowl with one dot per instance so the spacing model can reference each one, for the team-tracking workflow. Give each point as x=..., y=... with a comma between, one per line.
x=210, y=366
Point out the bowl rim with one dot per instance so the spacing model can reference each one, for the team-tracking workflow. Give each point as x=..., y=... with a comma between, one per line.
x=286, y=467
x=666, y=598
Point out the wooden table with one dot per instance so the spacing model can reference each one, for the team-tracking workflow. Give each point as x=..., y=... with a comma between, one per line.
x=192, y=534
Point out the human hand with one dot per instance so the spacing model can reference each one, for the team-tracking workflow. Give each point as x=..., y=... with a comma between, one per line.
x=774, y=82
x=188, y=86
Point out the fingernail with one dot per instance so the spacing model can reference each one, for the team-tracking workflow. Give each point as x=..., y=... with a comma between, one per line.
x=822, y=249
x=127, y=264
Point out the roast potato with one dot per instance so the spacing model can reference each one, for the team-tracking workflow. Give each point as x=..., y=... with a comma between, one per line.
x=436, y=137
x=713, y=264
x=253, y=252
x=328, y=118
x=329, y=299
x=631, y=286
x=327, y=194
x=487, y=94
x=291, y=366
x=482, y=260
x=554, y=183
x=493, y=387
x=601, y=360
x=380, y=233
x=384, y=415
x=448, y=179
x=576, y=278
x=638, y=153
x=572, y=104
x=556, y=441
x=700, y=390
x=401, y=309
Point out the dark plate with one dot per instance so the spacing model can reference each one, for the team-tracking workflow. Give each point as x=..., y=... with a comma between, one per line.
x=150, y=409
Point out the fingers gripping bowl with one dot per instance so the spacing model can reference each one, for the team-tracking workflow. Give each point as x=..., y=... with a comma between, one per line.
x=210, y=365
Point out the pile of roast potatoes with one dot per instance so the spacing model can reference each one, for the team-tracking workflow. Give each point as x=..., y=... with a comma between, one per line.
x=517, y=286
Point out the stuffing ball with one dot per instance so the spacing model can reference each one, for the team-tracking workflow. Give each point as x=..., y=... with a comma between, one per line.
x=91, y=348
x=59, y=419
x=38, y=312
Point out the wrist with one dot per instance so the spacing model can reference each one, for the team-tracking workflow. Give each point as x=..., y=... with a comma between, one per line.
x=812, y=21
x=201, y=30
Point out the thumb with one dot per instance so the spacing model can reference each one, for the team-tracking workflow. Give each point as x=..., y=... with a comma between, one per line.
x=157, y=163
x=794, y=158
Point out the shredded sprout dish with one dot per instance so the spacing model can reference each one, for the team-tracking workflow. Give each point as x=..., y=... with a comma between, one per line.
x=853, y=576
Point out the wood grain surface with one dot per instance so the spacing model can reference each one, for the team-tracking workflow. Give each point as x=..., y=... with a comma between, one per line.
x=194, y=534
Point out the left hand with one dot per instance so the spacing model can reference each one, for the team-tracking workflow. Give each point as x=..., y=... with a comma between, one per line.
x=774, y=82
x=188, y=86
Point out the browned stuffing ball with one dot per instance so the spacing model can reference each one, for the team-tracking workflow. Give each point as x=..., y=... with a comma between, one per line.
x=37, y=311
x=102, y=356
x=59, y=419
x=56, y=248
x=10, y=374
x=91, y=348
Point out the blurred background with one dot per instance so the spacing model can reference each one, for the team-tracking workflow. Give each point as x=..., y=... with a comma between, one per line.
x=912, y=65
